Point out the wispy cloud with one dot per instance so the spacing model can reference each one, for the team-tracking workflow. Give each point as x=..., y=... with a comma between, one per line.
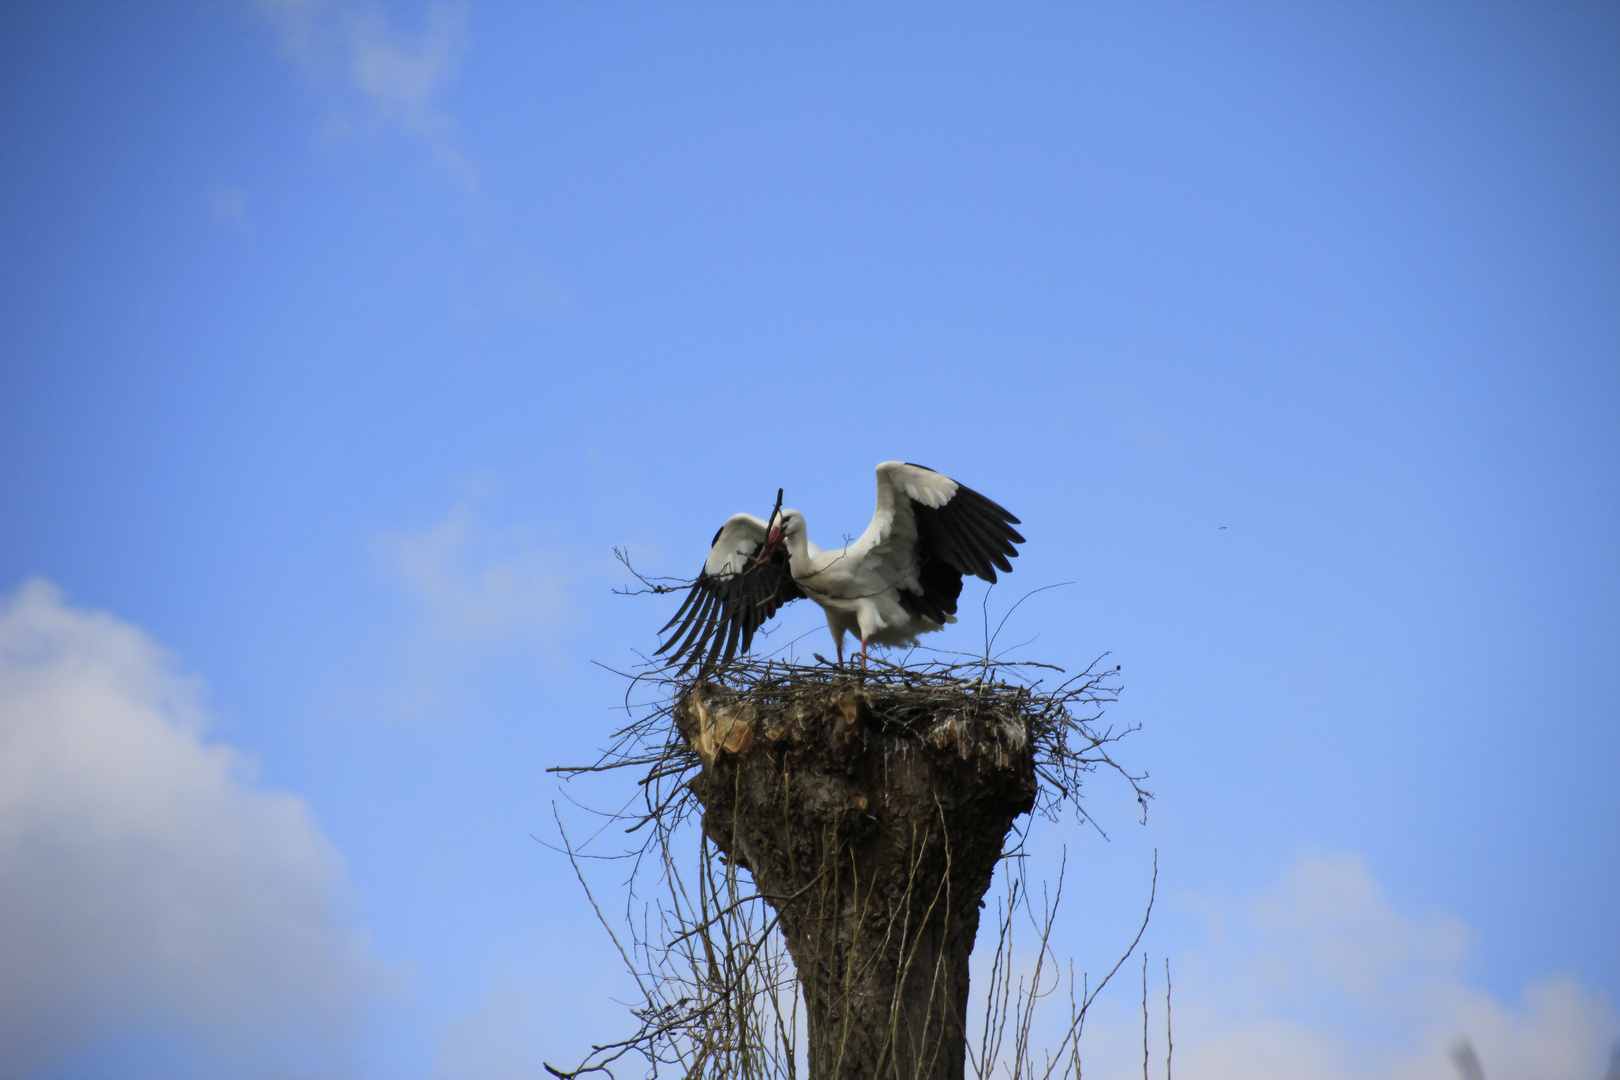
x=477, y=591
x=376, y=74
x=476, y=585
x=509, y=282
x=502, y=1040
x=228, y=206
x=1321, y=977
x=144, y=879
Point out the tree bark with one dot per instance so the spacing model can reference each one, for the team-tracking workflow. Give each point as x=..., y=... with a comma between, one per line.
x=873, y=832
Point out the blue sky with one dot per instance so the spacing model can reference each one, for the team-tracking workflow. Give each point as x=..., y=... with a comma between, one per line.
x=340, y=343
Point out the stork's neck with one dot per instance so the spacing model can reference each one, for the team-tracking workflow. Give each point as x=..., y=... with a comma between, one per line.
x=798, y=546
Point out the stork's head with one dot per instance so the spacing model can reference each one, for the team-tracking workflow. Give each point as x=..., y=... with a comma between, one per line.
x=784, y=523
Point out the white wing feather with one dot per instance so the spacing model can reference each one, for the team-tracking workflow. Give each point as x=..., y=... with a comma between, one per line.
x=739, y=538
x=890, y=541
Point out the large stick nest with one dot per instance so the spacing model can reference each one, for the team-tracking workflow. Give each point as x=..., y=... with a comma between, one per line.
x=981, y=708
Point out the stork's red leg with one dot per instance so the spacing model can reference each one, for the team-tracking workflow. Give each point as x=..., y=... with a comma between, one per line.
x=863, y=654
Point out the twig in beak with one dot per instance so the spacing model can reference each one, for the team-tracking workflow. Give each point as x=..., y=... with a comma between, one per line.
x=773, y=532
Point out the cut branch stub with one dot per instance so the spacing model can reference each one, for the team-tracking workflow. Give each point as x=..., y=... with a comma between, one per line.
x=872, y=827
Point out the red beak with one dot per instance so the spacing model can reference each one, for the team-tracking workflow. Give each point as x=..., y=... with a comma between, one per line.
x=772, y=540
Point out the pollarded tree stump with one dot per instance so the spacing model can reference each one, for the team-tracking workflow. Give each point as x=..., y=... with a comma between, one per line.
x=871, y=821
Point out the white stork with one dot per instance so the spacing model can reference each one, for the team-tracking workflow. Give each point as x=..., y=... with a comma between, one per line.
x=901, y=578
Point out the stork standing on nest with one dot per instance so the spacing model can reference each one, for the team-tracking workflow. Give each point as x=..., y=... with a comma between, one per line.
x=901, y=578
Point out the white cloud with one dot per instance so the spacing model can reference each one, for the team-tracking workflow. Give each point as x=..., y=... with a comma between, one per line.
x=1321, y=977
x=376, y=73
x=145, y=882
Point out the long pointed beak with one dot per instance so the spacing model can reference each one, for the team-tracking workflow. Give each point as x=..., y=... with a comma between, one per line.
x=772, y=540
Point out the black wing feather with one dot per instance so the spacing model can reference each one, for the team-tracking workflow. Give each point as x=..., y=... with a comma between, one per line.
x=727, y=609
x=968, y=534
x=693, y=628
x=691, y=595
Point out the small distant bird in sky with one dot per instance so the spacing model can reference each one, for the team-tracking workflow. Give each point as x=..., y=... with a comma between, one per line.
x=900, y=578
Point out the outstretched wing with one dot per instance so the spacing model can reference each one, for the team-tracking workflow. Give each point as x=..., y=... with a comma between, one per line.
x=731, y=598
x=930, y=530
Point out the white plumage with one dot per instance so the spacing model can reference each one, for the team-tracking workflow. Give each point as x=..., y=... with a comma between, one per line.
x=900, y=578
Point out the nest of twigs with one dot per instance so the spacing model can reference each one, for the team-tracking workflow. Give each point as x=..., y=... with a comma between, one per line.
x=980, y=707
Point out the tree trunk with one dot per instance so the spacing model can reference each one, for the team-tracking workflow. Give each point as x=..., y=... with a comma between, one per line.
x=873, y=829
